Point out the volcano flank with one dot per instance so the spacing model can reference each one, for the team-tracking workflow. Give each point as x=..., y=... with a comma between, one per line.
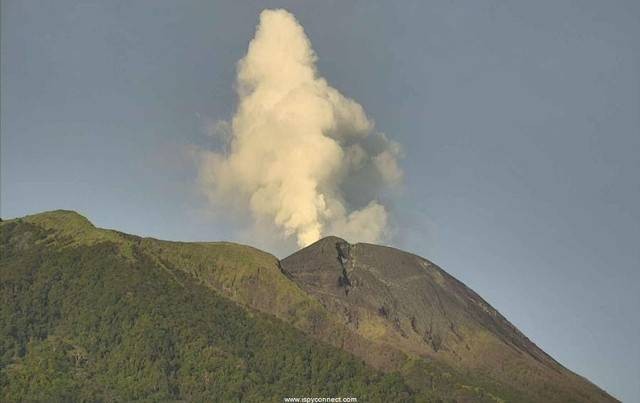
x=92, y=314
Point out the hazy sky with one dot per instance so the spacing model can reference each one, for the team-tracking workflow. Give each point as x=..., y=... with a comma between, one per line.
x=520, y=123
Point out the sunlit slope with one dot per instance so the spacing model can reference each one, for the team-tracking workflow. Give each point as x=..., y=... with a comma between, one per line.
x=97, y=319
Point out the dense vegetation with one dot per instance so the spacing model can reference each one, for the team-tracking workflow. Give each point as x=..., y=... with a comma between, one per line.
x=89, y=323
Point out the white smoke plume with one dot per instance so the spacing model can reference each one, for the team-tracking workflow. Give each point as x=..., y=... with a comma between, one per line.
x=301, y=155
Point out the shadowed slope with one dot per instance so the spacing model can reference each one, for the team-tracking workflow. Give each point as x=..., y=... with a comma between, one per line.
x=410, y=304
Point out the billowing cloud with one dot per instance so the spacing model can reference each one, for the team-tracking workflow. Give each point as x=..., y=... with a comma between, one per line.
x=301, y=155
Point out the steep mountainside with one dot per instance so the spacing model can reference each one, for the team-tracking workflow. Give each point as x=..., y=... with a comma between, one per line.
x=92, y=314
x=410, y=304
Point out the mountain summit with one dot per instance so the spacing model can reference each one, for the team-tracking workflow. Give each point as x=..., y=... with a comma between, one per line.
x=408, y=303
x=90, y=314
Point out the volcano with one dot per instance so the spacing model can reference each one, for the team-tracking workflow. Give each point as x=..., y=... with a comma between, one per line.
x=89, y=314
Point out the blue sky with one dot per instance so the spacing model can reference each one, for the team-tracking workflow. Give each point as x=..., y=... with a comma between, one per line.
x=520, y=124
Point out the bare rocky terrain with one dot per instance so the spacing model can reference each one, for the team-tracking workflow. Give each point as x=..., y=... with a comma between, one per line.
x=408, y=303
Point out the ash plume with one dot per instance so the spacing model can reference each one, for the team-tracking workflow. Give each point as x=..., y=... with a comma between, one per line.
x=301, y=156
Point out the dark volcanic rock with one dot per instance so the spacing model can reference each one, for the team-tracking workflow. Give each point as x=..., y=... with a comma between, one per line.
x=409, y=303
x=412, y=294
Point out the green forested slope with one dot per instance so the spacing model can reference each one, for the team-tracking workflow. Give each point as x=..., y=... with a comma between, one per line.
x=94, y=322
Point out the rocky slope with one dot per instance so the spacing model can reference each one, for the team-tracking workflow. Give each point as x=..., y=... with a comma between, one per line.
x=409, y=304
